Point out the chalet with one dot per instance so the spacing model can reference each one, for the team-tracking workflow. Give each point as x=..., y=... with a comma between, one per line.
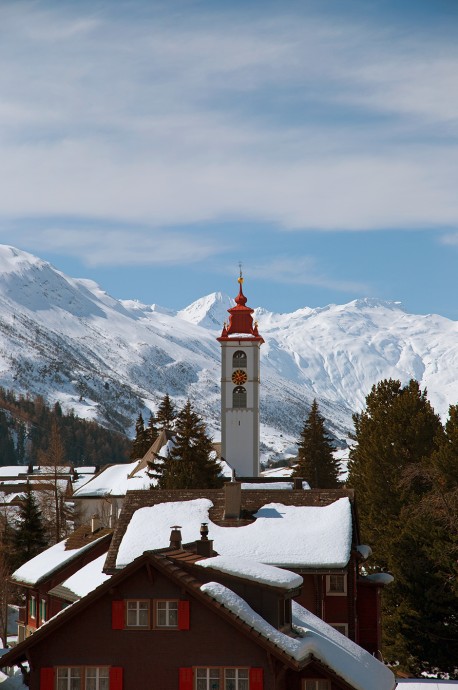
x=311, y=532
x=182, y=619
x=37, y=578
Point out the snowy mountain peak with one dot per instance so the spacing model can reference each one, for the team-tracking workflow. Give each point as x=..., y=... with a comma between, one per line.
x=208, y=312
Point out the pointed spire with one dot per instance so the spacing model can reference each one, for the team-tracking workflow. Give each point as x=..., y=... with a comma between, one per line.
x=240, y=317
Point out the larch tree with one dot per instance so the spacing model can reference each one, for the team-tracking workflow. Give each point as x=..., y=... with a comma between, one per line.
x=315, y=460
x=166, y=413
x=53, y=504
x=191, y=461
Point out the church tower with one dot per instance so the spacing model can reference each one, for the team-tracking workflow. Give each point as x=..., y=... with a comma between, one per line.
x=240, y=355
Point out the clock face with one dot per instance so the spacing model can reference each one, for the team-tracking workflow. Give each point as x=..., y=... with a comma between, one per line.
x=239, y=377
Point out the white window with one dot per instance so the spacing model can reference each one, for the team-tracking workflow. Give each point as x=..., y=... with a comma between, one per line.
x=312, y=684
x=43, y=610
x=340, y=627
x=97, y=678
x=33, y=607
x=166, y=614
x=336, y=584
x=137, y=613
x=69, y=678
x=222, y=679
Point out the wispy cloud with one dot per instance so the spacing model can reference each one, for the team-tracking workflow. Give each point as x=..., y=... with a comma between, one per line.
x=161, y=120
x=302, y=271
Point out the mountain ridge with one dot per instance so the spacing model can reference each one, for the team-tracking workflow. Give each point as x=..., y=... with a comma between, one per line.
x=107, y=359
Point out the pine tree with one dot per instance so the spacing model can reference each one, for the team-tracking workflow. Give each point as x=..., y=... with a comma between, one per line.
x=397, y=437
x=141, y=443
x=315, y=460
x=190, y=464
x=166, y=413
x=151, y=431
x=29, y=538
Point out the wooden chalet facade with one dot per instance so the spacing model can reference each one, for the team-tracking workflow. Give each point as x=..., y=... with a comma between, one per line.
x=342, y=597
x=36, y=580
x=165, y=622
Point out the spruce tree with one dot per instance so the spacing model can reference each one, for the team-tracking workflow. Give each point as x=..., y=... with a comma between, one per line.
x=151, y=431
x=315, y=460
x=190, y=463
x=141, y=443
x=30, y=537
x=166, y=413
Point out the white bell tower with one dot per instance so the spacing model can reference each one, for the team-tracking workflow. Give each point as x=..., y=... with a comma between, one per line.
x=240, y=357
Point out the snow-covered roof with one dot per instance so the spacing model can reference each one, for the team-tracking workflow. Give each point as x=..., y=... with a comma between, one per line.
x=48, y=561
x=252, y=570
x=290, y=536
x=380, y=578
x=427, y=684
x=257, y=486
x=13, y=470
x=87, y=578
x=114, y=481
x=364, y=550
x=314, y=637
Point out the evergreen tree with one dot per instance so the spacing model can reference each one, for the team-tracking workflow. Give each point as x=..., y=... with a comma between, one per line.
x=397, y=437
x=315, y=460
x=190, y=463
x=29, y=538
x=141, y=443
x=166, y=413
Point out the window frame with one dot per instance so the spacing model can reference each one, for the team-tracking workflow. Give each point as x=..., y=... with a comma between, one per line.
x=332, y=592
x=240, y=391
x=43, y=610
x=137, y=626
x=167, y=626
x=33, y=607
x=236, y=361
x=222, y=675
x=82, y=675
x=340, y=625
x=316, y=681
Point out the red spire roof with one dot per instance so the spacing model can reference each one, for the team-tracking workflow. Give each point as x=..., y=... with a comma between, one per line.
x=240, y=319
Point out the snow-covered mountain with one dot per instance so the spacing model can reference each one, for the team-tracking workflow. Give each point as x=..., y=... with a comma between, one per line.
x=68, y=340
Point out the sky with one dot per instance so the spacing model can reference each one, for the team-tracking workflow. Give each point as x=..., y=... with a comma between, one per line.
x=153, y=145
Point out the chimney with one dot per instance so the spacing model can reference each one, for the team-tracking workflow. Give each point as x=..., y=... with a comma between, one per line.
x=175, y=537
x=232, y=500
x=297, y=483
x=96, y=523
x=204, y=545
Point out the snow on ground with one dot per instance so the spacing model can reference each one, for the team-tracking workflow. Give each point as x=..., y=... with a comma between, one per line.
x=347, y=659
x=252, y=570
x=290, y=536
x=47, y=562
x=115, y=481
x=87, y=578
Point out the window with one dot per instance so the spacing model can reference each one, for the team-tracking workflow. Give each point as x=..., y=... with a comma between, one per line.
x=137, y=613
x=336, y=585
x=33, y=607
x=81, y=678
x=312, y=684
x=43, y=610
x=222, y=678
x=239, y=397
x=166, y=614
x=239, y=359
x=340, y=627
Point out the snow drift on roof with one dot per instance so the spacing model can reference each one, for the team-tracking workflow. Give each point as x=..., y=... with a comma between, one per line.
x=47, y=562
x=257, y=486
x=87, y=578
x=317, y=638
x=252, y=570
x=290, y=536
x=114, y=481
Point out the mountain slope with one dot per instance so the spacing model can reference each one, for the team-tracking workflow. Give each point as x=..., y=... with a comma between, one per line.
x=67, y=340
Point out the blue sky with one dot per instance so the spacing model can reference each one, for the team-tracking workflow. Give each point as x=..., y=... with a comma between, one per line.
x=152, y=146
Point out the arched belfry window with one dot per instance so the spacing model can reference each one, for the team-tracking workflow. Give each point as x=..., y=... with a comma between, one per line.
x=239, y=359
x=239, y=397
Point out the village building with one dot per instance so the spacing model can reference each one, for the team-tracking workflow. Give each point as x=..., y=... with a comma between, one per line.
x=186, y=620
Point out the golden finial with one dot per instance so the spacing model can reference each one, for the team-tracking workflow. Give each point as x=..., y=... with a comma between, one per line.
x=240, y=278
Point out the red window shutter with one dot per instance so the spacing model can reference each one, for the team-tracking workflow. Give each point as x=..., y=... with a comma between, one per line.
x=256, y=679
x=46, y=679
x=185, y=679
x=116, y=678
x=183, y=615
x=117, y=615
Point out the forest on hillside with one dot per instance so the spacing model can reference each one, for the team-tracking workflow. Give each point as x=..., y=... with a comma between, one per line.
x=25, y=426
